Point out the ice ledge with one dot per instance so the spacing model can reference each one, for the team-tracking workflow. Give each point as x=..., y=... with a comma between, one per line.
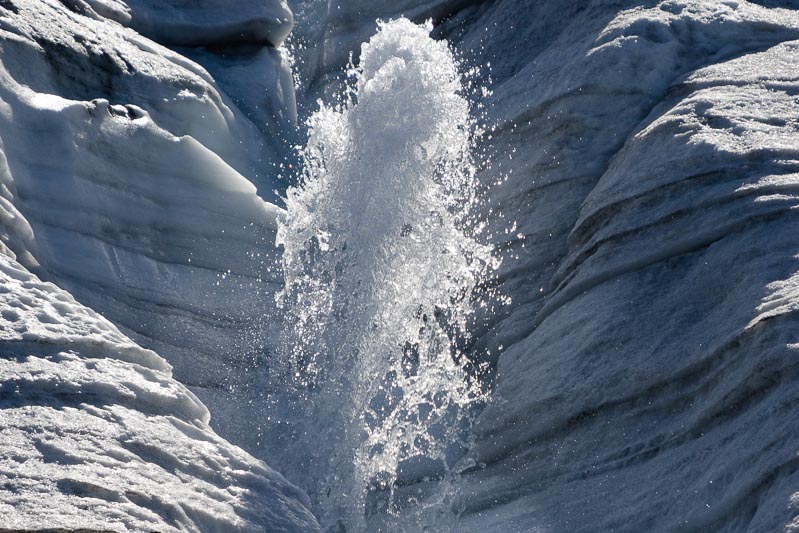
x=201, y=23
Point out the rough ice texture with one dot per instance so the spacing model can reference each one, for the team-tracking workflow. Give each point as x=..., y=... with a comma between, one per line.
x=238, y=44
x=96, y=435
x=645, y=370
x=348, y=23
x=646, y=377
x=122, y=180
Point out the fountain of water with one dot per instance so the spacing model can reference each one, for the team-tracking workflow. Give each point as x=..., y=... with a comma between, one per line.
x=380, y=262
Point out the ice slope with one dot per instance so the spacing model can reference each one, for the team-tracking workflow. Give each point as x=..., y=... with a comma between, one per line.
x=646, y=152
x=134, y=173
x=122, y=179
x=97, y=436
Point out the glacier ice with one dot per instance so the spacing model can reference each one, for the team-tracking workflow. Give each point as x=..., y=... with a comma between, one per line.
x=145, y=206
x=641, y=189
x=121, y=181
x=96, y=435
x=645, y=154
x=198, y=23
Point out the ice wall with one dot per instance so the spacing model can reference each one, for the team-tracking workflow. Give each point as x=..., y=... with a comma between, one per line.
x=97, y=436
x=200, y=23
x=122, y=171
x=135, y=173
x=645, y=152
x=646, y=377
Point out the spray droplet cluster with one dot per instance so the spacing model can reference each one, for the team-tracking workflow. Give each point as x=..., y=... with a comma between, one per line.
x=381, y=262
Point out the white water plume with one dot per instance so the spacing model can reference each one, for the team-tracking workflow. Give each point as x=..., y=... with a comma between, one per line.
x=380, y=265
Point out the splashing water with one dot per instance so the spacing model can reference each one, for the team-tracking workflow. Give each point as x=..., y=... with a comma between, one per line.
x=380, y=265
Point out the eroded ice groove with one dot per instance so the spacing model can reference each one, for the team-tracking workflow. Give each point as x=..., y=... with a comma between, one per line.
x=380, y=263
